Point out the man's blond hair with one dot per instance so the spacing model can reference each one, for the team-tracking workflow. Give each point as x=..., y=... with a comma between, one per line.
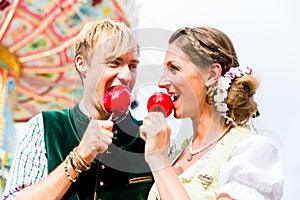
x=108, y=38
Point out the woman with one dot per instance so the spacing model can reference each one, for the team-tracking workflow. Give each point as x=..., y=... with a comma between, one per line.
x=224, y=159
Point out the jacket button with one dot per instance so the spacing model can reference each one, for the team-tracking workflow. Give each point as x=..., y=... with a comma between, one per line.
x=101, y=184
x=102, y=166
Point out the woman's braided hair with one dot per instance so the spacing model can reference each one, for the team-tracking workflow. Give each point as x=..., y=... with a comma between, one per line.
x=205, y=46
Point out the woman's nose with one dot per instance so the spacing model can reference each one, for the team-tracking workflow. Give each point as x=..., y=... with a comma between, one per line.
x=164, y=82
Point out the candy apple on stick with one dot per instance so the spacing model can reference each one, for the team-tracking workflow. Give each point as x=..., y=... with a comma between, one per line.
x=160, y=102
x=117, y=101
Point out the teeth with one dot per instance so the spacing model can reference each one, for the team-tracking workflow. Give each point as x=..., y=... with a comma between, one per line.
x=174, y=97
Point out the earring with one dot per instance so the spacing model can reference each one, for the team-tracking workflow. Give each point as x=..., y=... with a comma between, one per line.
x=209, y=83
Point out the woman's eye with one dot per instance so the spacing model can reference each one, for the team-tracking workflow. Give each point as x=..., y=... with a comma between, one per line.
x=173, y=68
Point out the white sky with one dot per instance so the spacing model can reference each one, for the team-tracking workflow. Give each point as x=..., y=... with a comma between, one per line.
x=266, y=35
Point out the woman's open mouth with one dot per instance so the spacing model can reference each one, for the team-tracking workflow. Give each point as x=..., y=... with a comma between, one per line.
x=174, y=97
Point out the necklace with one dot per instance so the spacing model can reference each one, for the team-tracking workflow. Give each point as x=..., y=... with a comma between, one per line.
x=199, y=150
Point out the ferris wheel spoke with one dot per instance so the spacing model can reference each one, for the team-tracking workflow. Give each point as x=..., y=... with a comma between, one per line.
x=44, y=25
x=47, y=52
x=8, y=19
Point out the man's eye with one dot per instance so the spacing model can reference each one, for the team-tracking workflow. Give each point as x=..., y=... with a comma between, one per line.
x=132, y=67
x=113, y=64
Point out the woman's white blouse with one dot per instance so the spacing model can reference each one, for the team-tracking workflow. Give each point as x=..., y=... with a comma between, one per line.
x=254, y=171
x=244, y=165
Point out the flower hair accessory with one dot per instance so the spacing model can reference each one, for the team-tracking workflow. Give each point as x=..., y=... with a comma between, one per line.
x=224, y=84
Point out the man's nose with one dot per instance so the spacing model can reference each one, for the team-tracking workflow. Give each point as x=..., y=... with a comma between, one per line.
x=124, y=74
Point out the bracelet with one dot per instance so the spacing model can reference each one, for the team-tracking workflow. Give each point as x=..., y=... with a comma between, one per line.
x=84, y=165
x=73, y=165
x=79, y=164
x=83, y=160
x=72, y=180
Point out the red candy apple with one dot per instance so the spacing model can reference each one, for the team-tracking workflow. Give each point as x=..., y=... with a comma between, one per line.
x=117, y=100
x=160, y=102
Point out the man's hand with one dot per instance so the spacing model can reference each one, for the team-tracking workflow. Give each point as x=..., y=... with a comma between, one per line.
x=96, y=139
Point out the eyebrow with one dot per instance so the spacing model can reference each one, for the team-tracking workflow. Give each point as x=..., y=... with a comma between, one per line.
x=135, y=61
x=171, y=62
x=131, y=61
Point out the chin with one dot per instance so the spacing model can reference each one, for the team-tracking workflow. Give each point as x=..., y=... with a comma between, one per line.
x=178, y=115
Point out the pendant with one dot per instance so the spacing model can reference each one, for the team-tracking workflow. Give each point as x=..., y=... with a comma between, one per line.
x=190, y=157
x=205, y=180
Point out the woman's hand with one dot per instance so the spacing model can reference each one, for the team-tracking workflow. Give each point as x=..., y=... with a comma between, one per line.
x=156, y=133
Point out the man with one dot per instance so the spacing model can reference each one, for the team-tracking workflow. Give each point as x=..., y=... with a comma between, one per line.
x=72, y=153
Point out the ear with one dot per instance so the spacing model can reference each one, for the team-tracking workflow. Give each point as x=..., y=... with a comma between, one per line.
x=80, y=64
x=214, y=71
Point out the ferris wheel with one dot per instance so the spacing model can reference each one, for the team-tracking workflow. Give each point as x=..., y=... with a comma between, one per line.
x=36, y=46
